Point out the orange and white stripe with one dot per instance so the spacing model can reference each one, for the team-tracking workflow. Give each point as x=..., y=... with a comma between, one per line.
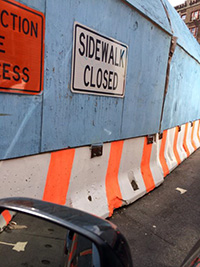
x=170, y=149
x=195, y=134
x=5, y=217
x=187, y=141
x=87, y=186
x=177, y=144
x=127, y=170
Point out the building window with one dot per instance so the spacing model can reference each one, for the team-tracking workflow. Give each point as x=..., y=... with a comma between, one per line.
x=194, y=31
x=183, y=17
x=195, y=15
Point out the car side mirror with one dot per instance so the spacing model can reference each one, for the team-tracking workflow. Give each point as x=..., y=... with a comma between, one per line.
x=38, y=233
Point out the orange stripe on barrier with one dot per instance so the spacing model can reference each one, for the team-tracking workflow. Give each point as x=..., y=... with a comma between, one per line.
x=86, y=252
x=73, y=249
x=145, y=166
x=175, y=147
x=198, y=134
x=184, y=141
x=7, y=216
x=113, y=192
x=58, y=176
x=192, y=137
x=162, y=154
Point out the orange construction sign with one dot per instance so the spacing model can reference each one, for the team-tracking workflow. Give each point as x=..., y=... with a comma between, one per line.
x=21, y=48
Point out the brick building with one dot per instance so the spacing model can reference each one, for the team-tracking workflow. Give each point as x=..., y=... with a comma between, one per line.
x=190, y=13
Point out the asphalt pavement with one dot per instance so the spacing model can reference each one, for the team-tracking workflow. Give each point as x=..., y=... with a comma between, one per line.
x=162, y=227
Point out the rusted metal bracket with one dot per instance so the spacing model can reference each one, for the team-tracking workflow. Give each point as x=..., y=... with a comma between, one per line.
x=150, y=139
x=96, y=150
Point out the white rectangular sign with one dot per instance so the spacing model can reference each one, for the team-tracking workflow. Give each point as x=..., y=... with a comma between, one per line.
x=98, y=64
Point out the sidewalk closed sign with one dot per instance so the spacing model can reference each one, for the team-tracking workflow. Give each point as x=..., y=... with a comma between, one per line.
x=21, y=48
x=99, y=63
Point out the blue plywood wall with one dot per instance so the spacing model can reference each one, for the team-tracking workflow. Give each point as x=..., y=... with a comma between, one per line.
x=183, y=95
x=74, y=119
x=58, y=119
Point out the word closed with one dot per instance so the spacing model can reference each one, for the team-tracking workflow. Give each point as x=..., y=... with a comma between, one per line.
x=99, y=63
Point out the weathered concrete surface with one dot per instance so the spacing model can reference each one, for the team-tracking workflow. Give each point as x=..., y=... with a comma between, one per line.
x=163, y=226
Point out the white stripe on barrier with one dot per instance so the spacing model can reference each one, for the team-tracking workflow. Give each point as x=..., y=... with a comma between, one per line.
x=180, y=148
x=87, y=183
x=195, y=135
x=130, y=178
x=155, y=165
x=169, y=153
x=198, y=131
x=24, y=176
x=4, y=220
x=3, y=223
x=188, y=138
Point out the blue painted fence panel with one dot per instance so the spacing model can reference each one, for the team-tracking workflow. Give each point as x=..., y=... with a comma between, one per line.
x=154, y=10
x=183, y=98
x=35, y=4
x=58, y=118
x=148, y=57
x=20, y=120
x=76, y=120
